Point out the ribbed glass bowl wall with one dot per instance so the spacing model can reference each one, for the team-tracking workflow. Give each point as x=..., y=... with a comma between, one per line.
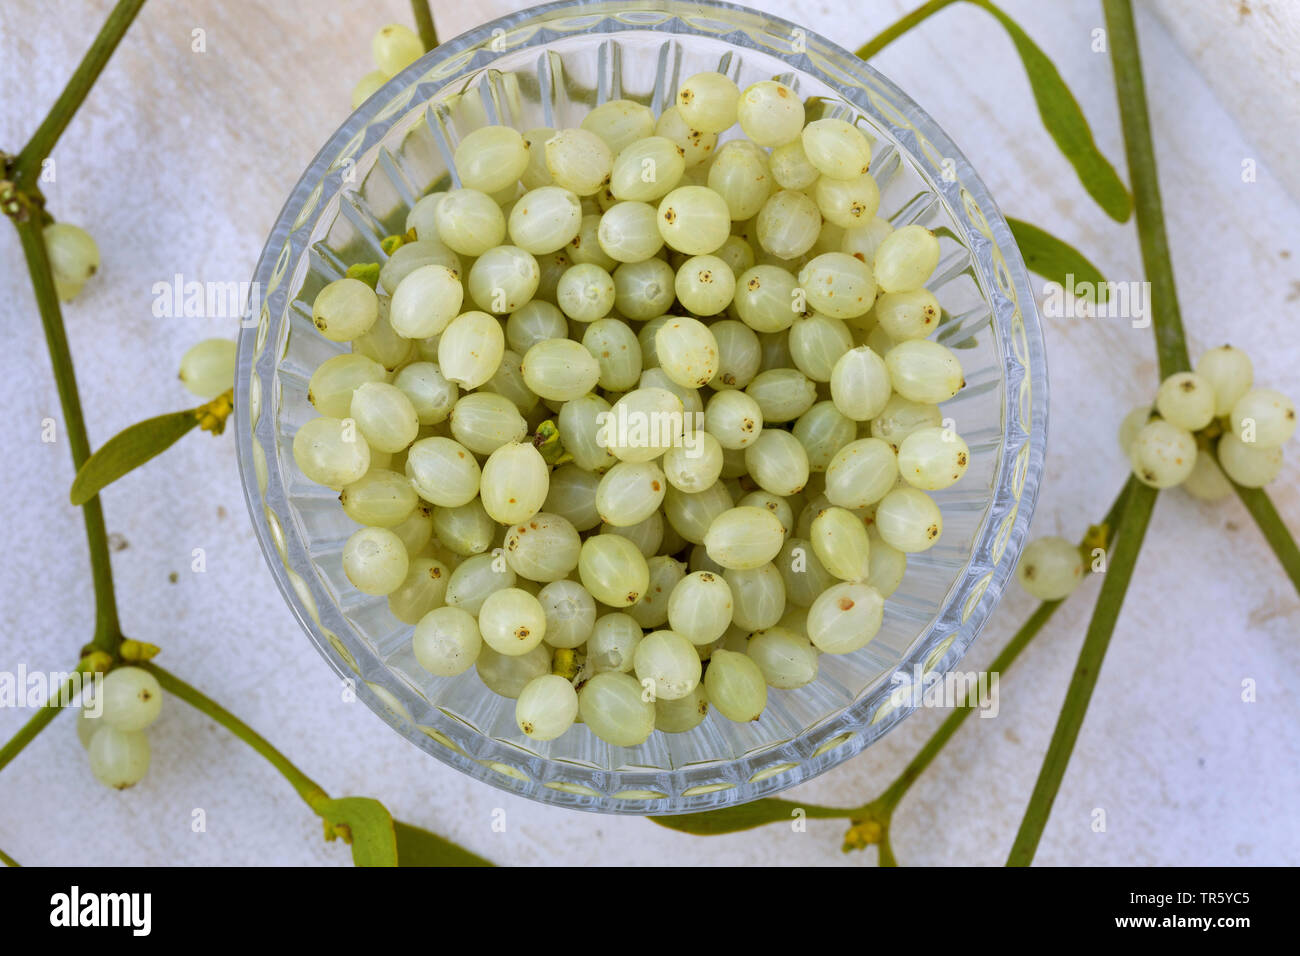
x=546, y=67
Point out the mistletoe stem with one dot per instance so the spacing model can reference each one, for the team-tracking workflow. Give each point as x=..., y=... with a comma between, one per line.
x=424, y=24
x=888, y=800
x=1166, y=318
x=27, y=166
x=52, y=708
x=107, y=629
x=1133, y=521
x=893, y=32
x=311, y=792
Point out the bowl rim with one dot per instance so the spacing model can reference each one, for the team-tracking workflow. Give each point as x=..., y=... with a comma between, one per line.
x=753, y=775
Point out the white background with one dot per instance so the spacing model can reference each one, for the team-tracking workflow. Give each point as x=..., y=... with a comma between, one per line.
x=179, y=162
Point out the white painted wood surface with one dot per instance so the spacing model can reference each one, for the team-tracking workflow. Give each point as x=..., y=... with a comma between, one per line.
x=180, y=161
x=1249, y=53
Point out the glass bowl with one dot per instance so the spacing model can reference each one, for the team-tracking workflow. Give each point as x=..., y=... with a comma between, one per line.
x=545, y=67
